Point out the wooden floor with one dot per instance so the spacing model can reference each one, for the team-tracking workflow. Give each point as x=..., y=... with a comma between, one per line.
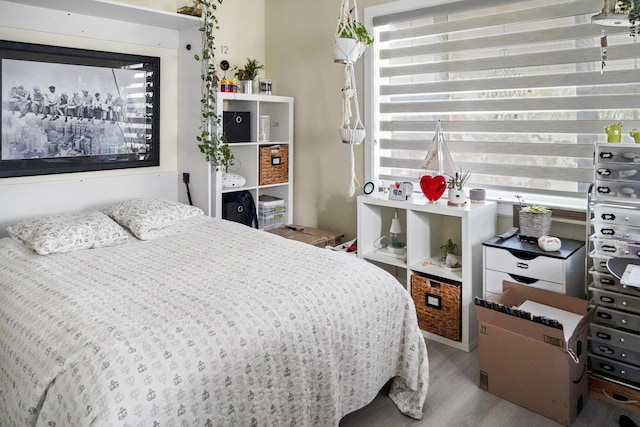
x=454, y=399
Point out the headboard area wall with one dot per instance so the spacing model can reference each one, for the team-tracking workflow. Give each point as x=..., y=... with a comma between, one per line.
x=28, y=200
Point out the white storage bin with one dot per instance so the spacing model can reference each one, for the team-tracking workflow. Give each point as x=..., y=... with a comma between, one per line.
x=271, y=217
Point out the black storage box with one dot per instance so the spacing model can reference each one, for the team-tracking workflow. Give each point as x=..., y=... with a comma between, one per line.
x=236, y=126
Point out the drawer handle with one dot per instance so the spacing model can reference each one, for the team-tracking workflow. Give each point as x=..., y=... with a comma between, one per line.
x=604, y=315
x=522, y=265
x=608, y=216
x=603, y=264
x=606, y=155
x=609, y=248
x=527, y=256
x=607, y=231
x=607, y=367
x=606, y=299
x=604, y=190
x=604, y=172
x=605, y=350
x=607, y=281
x=522, y=279
x=603, y=336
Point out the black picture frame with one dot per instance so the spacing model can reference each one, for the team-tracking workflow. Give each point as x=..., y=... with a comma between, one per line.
x=75, y=110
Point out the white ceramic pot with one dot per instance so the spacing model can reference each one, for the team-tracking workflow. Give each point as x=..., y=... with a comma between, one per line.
x=347, y=51
x=456, y=197
x=356, y=135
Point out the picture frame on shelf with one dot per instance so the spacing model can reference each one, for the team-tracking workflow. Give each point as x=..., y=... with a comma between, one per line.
x=70, y=110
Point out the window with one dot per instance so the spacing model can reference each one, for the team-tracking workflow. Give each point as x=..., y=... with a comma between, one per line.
x=517, y=86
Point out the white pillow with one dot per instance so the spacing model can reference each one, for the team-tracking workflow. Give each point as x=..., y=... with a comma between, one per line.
x=143, y=217
x=68, y=232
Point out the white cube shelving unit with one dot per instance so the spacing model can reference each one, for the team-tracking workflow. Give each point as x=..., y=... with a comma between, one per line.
x=427, y=226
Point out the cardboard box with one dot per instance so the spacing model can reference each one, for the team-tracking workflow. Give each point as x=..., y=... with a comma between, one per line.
x=310, y=235
x=528, y=362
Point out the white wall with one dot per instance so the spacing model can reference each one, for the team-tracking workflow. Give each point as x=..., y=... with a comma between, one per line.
x=31, y=24
x=299, y=36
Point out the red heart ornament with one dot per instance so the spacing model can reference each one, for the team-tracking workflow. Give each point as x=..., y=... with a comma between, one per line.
x=433, y=187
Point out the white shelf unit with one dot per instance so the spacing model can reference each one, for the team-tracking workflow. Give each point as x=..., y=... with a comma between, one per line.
x=118, y=10
x=247, y=153
x=426, y=227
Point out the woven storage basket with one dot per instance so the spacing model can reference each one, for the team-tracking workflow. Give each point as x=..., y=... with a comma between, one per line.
x=534, y=225
x=438, y=305
x=274, y=164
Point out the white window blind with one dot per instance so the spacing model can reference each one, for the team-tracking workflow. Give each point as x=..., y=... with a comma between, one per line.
x=517, y=86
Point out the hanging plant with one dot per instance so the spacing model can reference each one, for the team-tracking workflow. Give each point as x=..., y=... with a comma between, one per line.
x=631, y=8
x=211, y=141
x=350, y=41
x=355, y=30
x=352, y=37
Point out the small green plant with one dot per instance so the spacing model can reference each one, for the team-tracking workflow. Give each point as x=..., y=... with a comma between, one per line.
x=250, y=70
x=632, y=8
x=449, y=247
x=459, y=180
x=227, y=158
x=355, y=30
x=534, y=209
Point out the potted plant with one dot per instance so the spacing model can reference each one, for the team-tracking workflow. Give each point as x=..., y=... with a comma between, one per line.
x=227, y=158
x=456, y=184
x=248, y=74
x=615, y=12
x=351, y=41
x=631, y=8
x=210, y=141
x=534, y=221
x=449, y=255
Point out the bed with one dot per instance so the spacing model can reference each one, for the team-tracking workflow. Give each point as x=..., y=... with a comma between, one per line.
x=150, y=313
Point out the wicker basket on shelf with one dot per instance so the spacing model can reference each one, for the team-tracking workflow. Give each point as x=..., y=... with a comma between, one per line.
x=438, y=305
x=274, y=164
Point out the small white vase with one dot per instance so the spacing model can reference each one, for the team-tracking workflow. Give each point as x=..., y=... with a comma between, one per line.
x=456, y=197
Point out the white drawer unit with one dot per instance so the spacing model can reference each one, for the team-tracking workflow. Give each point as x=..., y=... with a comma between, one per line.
x=614, y=209
x=493, y=282
x=512, y=260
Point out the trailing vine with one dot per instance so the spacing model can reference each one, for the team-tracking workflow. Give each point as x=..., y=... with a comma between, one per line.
x=632, y=8
x=211, y=141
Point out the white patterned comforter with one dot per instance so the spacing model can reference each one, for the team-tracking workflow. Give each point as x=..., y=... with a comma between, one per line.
x=216, y=325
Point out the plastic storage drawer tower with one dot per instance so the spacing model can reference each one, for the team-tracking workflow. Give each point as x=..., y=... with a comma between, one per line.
x=271, y=212
x=614, y=350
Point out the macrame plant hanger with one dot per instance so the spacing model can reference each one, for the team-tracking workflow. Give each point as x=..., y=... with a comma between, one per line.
x=347, y=51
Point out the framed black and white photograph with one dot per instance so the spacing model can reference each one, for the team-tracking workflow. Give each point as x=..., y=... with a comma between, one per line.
x=75, y=110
